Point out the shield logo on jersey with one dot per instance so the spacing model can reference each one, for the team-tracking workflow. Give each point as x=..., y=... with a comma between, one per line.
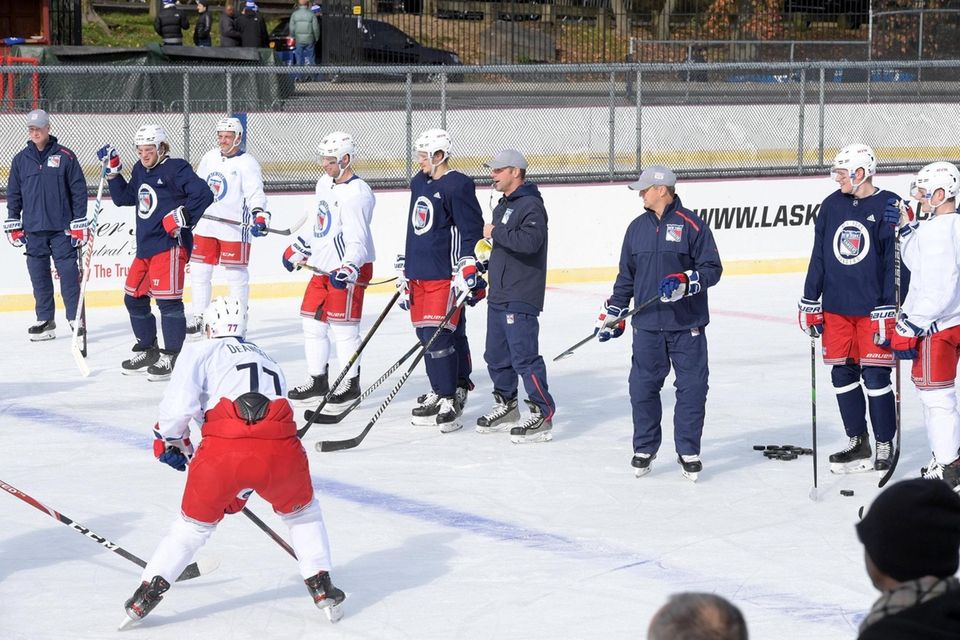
x=421, y=219
x=218, y=185
x=851, y=242
x=146, y=201
x=53, y=161
x=505, y=218
x=322, y=226
x=674, y=232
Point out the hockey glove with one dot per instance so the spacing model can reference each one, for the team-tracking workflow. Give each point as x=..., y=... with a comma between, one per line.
x=346, y=274
x=176, y=453
x=483, y=249
x=679, y=285
x=79, y=232
x=883, y=319
x=403, y=286
x=237, y=504
x=108, y=153
x=608, y=326
x=13, y=227
x=174, y=222
x=261, y=220
x=478, y=293
x=901, y=216
x=466, y=276
x=906, y=339
x=296, y=254
x=810, y=317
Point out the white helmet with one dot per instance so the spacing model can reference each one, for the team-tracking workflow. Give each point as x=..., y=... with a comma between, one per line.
x=230, y=124
x=856, y=156
x=226, y=316
x=150, y=134
x=433, y=140
x=937, y=175
x=336, y=145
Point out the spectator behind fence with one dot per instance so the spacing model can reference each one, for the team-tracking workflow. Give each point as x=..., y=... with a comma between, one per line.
x=170, y=23
x=697, y=616
x=911, y=542
x=252, y=27
x=305, y=29
x=229, y=35
x=201, y=31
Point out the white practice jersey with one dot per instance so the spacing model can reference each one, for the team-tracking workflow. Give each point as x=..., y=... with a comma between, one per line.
x=932, y=253
x=212, y=369
x=237, y=186
x=341, y=224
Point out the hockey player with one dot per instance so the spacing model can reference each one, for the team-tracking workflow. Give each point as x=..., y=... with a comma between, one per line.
x=851, y=266
x=170, y=198
x=928, y=329
x=340, y=250
x=444, y=226
x=235, y=392
x=235, y=179
x=667, y=251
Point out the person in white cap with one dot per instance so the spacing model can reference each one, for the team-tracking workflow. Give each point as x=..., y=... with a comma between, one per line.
x=170, y=23
x=47, y=214
x=668, y=260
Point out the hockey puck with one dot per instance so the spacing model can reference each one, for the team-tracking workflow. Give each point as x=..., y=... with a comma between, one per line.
x=771, y=447
x=758, y=447
x=846, y=492
x=860, y=512
x=788, y=456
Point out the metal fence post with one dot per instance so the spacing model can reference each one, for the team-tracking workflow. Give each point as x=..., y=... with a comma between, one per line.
x=803, y=105
x=639, y=121
x=613, y=125
x=408, y=90
x=186, y=116
x=229, y=92
x=822, y=110
x=443, y=100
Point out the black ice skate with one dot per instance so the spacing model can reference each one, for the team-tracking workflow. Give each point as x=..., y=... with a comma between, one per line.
x=82, y=332
x=884, y=457
x=312, y=390
x=425, y=413
x=163, y=368
x=502, y=417
x=464, y=387
x=448, y=415
x=145, y=357
x=536, y=428
x=345, y=394
x=641, y=462
x=690, y=466
x=195, y=327
x=42, y=330
x=933, y=467
x=147, y=596
x=951, y=474
x=855, y=458
x=326, y=596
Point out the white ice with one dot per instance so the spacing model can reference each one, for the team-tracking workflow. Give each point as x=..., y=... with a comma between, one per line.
x=460, y=535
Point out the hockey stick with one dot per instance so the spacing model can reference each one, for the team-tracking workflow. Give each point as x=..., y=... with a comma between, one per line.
x=334, y=418
x=79, y=350
x=637, y=309
x=350, y=443
x=193, y=570
x=343, y=374
x=896, y=292
x=279, y=232
x=356, y=284
x=270, y=532
x=813, y=411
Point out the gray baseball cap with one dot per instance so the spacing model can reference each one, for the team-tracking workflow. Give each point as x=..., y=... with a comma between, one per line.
x=654, y=175
x=507, y=158
x=38, y=118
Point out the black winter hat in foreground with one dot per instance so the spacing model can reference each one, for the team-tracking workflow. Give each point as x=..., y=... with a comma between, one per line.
x=913, y=530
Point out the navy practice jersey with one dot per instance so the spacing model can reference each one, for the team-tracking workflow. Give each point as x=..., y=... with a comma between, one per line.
x=156, y=192
x=852, y=261
x=444, y=226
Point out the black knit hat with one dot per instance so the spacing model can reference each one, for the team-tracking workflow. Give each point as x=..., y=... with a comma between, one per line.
x=913, y=530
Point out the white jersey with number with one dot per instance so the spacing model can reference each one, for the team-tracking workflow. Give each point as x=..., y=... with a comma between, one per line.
x=209, y=370
x=237, y=186
x=341, y=224
x=932, y=253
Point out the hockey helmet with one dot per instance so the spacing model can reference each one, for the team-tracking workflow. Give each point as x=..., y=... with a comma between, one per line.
x=336, y=145
x=936, y=175
x=224, y=317
x=150, y=134
x=230, y=124
x=853, y=157
x=433, y=140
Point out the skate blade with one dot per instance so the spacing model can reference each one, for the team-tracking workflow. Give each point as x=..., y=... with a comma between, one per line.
x=842, y=468
x=128, y=622
x=450, y=427
x=690, y=475
x=539, y=437
x=423, y=421
x=642, y=472
x=497, y=428
x=133, y=372
x=154, y=378
x=43, y=337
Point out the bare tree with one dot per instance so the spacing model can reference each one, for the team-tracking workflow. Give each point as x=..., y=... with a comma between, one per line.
x=90, y=15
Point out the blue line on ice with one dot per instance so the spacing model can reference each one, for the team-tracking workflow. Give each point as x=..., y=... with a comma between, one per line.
x=783, y=602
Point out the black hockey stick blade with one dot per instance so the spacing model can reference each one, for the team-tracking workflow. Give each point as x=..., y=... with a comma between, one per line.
x=199, y=568
x=330, y=418
x=640, y=307
x=893, y=467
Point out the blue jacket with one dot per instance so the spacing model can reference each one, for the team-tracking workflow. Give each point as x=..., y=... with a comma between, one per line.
x=156, y=192
x=517, y=272
x=652, y=249
x=51, y=185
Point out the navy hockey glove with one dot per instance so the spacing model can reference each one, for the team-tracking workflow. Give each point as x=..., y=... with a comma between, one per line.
x=810, y=317
x=901, y=216
x=607, y=325
x=176, y=453
x=296, y=254
x=13, y=227
x=109, y=154
x=478, y=293
x=346, y=274
x=679, y=285
x=906, y=339
x=237, y=504
x=261, y=220
x=883, y=319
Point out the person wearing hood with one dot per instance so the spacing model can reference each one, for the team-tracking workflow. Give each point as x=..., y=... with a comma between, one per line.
x=170, y=23
x=517, y=277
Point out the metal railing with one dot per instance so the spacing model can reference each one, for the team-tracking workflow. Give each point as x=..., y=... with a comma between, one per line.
x=575, y=123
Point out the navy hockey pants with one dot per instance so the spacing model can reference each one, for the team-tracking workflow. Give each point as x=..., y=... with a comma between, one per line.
x=41, y=246
x=653, y=354
x=512, y=351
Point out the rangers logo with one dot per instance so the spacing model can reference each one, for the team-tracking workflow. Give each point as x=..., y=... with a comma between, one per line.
x=505, y=218
x=53, y=161
x=422, y=217
x=674, y=232
x=146, y=201
x=218, y=185
x=851, y=242
x=322, y=226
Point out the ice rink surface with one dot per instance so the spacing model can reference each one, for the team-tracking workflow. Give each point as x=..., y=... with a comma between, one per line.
x=460, y=535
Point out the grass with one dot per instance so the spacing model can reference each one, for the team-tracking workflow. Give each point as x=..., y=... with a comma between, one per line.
x=136, y=30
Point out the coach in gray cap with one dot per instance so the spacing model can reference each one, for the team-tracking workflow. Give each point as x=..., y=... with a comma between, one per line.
x=517, y=272
x=47, y=213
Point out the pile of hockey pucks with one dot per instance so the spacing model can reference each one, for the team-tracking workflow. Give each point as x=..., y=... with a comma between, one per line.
x=782, y=451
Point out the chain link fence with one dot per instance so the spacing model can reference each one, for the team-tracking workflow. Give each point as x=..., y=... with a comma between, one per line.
x=575, y=123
